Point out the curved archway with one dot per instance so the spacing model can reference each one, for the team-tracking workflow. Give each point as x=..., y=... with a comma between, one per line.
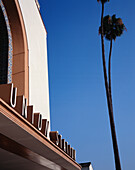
x=20, y=70
x=4, y=45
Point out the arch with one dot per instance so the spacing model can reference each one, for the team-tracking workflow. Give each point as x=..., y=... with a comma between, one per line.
x=20, y=68
x=5, y=47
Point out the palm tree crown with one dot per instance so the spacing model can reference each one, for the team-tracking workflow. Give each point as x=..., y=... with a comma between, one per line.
x=112, y=27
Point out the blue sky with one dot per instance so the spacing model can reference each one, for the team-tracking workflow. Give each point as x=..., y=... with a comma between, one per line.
x=77, y=93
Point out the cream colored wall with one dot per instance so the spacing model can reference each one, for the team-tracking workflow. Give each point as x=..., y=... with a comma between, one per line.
x=91, y=168
x=38, y=65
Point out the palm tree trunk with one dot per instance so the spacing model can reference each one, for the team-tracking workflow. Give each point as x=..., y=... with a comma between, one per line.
x=110, y=107
x=109, y=69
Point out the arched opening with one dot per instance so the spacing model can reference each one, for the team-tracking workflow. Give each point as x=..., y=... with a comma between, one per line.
x=4, y=46
x=20, y=70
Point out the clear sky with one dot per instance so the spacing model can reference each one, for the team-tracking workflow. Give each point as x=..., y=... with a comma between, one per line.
x=77, y=93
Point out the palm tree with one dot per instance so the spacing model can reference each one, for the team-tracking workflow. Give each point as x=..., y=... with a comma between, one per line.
x=110, y=28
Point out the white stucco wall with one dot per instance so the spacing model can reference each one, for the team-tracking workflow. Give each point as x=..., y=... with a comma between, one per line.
x=38, y=65
x=91, y=168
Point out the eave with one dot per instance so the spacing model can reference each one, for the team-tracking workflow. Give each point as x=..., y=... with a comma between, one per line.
x=36, y=150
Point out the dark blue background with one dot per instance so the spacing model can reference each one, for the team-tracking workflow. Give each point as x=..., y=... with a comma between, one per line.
x=77, y=93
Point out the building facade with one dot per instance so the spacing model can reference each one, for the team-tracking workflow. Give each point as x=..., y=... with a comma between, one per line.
x=28, y=58
x=86, y=166
x=26, y=140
